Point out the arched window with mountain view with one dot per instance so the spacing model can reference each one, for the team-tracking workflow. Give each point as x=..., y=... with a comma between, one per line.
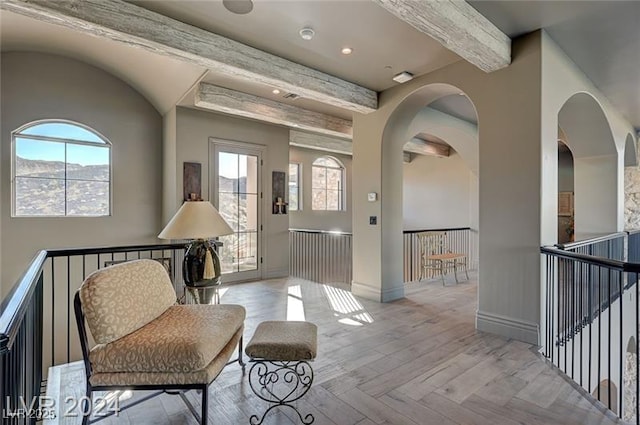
x=60, y=168
x=327, y=184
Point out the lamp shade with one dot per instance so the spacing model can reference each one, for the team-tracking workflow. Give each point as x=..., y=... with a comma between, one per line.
x=196, y=220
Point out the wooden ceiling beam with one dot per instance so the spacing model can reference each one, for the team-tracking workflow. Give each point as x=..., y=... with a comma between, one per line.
x=215, y=98
x=345, y=147
x=320, y=142
x=309, y=129
x=141, y=28
x=458, y=27
x=425, y=147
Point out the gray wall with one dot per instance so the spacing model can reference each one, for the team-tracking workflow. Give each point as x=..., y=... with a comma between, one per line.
x=38, y=86
x=437, y=193
x=565, y=171
x=319, y=220
x=194, y=130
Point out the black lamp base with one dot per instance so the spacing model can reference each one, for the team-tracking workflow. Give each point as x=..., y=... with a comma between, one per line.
x=204, y=294
x=201, y=265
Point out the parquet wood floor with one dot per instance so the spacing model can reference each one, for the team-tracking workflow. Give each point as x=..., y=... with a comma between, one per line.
x=417, y=361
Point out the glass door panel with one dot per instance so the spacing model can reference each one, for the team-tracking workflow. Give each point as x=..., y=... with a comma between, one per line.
x=237, y=184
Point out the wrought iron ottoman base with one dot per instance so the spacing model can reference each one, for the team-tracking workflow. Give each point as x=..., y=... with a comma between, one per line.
x=295, y=379
x=280, y=373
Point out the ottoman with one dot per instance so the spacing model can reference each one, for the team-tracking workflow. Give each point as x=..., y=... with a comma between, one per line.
x=280, y=373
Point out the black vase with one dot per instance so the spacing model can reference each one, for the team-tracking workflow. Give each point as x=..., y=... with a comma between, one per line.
x=201, y=265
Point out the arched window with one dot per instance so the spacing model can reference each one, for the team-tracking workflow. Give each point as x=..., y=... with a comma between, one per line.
x=327, y=184
x=60, y=169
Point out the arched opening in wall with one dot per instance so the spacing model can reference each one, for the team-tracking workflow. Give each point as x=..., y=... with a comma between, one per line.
x=435, y=132
x=588, y=135
x=630, y=152
x=565, y=192
x=607, y=393
x=629, y=384
x=631, y=185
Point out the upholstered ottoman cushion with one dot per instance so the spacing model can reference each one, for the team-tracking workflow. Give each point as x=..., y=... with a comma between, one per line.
x=285, y=341
x=185, y=338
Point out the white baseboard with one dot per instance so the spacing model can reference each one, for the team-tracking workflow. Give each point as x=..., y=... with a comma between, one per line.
x=376, y=294
x=508, y=327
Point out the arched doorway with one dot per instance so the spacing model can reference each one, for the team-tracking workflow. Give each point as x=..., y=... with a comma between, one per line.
x=401, y=125
x=630, y=152
x=589, y=137
x=440, y=183
x=566, y=189
x=510, y=171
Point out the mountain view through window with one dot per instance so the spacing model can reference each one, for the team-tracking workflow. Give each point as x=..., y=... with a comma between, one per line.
x=60, y=169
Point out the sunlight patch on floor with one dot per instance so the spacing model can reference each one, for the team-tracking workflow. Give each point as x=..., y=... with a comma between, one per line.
x=345, y=304
x=295, y=305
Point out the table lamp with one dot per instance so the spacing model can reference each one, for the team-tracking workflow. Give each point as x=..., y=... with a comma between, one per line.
x=199, y=221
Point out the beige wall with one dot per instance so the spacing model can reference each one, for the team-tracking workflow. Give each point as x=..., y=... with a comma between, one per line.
x=319, y=220
x=37, y=86
x=195, y=129
x=169, y=161
x=437, y=193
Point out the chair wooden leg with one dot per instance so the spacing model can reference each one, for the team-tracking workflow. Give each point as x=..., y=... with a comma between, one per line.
x=443, y=271
x=205, y=406
x=455, y=270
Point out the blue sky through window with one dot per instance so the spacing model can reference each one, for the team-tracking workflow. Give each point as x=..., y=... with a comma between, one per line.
x=54, y=151
x=64, y=131
x=39, y=150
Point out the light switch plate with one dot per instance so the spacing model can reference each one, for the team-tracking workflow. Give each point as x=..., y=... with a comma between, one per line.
x=372, y=196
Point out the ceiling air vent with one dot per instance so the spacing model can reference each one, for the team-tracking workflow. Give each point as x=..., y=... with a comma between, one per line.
x=291, y=96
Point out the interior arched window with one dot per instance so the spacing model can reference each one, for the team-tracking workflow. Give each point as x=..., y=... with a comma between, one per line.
x=60, y=168
x=327, y=184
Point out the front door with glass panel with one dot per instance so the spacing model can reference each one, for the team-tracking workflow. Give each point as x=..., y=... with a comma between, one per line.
x=236, y=192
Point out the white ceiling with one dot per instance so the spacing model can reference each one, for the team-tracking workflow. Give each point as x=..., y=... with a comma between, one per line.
x=377, y=38
x=602, y=37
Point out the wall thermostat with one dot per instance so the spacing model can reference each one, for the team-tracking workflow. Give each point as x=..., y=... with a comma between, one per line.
x=372, y=196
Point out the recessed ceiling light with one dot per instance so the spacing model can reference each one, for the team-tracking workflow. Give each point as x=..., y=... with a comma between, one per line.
x=239, y=7
x=275, y=91
x=307, y=33
x=347, y=50
x=403, y=77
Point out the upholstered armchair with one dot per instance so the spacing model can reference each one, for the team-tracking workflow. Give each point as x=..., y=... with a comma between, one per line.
x=144, y=341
